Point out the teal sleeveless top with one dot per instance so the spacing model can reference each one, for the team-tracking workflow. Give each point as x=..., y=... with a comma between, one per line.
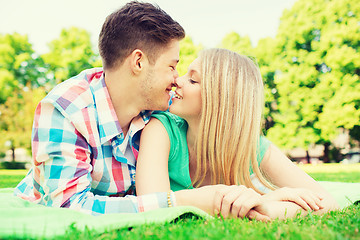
x=178, y=164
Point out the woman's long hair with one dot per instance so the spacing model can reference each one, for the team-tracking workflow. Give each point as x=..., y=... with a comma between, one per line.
x=232, y=104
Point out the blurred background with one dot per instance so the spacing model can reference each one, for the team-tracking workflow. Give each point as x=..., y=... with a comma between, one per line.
x=307, y=51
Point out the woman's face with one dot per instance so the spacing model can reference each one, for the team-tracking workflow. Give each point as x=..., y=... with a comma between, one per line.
x=187, y=100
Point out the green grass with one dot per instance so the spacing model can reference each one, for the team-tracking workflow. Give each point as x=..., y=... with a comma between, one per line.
x=343, y=224
x=10, y=178
x=333, y=172
x=334, y=225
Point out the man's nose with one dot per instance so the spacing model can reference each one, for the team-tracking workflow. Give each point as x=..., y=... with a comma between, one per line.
x=176, y=76
x=178, y=82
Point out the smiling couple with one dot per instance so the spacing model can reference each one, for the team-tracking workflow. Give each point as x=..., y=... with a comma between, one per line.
x=95, y=131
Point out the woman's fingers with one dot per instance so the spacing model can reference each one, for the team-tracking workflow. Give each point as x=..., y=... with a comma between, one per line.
x=255, y=215
x=301, y=202
x=227, y=202
x=219, y=196
x=235, y=201
x=312, y=200
x=247, y=204
x=305, y=198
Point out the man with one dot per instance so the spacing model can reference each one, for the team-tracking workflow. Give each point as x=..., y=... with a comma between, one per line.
x=86, y=130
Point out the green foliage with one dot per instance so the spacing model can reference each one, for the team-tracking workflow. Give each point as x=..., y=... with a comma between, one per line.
x=316, y=63
x=234, y=42
x=188, y=53
x=12, y=165
x=265, y=55
x=19, y=65
x=17, y=115
x=70, y=54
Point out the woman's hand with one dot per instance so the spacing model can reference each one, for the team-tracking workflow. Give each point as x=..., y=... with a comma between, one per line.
x=230, y=201
x=282, y=172
x=238, y=202
x=305, y=198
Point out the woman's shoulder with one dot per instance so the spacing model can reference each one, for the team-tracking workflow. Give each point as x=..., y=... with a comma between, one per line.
x=168, y=118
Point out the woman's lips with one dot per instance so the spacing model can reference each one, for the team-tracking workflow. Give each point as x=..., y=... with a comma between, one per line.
x=178, y=96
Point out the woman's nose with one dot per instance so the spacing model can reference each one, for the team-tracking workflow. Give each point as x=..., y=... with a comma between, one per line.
x=179, y=81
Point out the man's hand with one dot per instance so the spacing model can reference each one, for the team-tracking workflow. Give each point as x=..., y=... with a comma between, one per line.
x=238, y=202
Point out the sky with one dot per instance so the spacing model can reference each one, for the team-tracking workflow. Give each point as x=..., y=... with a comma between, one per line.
x=205, y=21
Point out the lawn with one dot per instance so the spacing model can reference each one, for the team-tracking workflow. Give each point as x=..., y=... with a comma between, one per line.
x=343, y=224
x=333, y=172
x=10, y=178
x=335, y=225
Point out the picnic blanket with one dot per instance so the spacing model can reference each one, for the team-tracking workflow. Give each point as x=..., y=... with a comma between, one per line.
x=23, y=219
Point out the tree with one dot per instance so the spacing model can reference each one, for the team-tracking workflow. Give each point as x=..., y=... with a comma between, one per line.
x=317, y=76
x=234, y=42
x=19, y=65
x=70, y=54
x=17, y=115
x=266, y=58
x=188, y=53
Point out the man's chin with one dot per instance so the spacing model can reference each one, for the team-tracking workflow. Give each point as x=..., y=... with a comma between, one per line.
x=160, y=108
x=172, y=110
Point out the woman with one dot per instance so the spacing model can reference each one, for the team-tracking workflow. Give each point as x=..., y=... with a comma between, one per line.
x=221, y=99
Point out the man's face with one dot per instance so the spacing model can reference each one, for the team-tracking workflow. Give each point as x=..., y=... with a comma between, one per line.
x=160, y=78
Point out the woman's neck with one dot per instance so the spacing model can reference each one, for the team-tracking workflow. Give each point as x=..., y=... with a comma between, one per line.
x=192, y=133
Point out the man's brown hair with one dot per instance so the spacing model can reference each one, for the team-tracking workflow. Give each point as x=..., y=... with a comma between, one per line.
x=136, y=26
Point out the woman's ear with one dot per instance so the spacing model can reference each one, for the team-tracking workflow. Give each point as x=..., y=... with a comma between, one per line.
x=137, y=61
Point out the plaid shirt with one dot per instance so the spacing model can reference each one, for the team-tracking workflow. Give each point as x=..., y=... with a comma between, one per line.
x=79, y=152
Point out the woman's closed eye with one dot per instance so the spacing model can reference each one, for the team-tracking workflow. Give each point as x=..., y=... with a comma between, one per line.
x=192, y=81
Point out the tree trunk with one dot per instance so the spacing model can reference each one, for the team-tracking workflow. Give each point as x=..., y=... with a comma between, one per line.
x=307, y=156
x=326, y=153
x=13, y=154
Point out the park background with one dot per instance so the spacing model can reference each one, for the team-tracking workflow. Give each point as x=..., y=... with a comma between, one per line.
x=308, y=53
x=307, y=50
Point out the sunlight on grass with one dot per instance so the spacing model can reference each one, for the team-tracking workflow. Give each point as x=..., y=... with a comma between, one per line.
x=10, y=178
x=333, y=172
x=330, y=168
x=10, y=172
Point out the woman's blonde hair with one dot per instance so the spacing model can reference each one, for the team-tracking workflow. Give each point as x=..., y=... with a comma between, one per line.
x=232, y=103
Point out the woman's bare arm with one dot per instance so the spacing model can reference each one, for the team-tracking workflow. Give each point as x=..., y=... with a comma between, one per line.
x=283, y=173
x=152, y=173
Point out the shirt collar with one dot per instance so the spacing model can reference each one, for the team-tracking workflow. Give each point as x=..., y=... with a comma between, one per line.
x=109, y=126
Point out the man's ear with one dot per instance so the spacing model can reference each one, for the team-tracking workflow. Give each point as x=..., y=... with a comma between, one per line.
x=137, y=61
